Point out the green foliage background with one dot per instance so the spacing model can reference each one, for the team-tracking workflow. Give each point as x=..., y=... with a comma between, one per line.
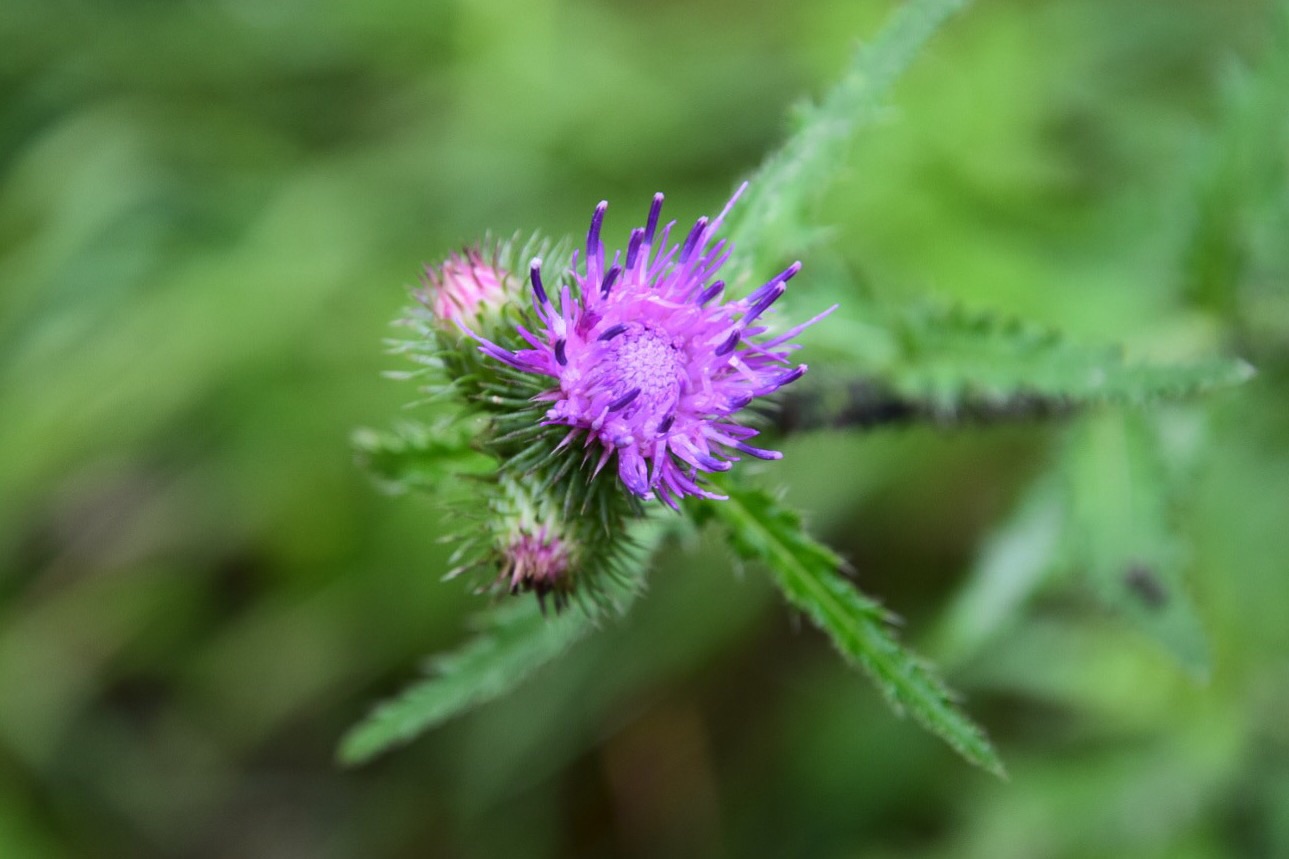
x=208, y=214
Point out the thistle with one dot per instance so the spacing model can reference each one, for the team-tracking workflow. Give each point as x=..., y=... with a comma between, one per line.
x=637, y=357
x=647, y=361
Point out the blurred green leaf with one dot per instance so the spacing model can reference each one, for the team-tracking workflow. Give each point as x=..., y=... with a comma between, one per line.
x=413, y=455
x=1241, y=176
x=1013, y=563
x=770, y=223
x=809, y=574
x=1122, y=536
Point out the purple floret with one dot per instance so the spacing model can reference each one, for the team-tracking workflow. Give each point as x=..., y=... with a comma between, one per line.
x=650, y=365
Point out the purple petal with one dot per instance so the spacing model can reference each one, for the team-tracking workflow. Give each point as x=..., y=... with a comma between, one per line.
x=651, y=225
x=535, y=274
x=593, y=234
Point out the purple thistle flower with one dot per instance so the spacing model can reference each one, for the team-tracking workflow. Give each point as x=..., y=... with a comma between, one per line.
x=650, y=364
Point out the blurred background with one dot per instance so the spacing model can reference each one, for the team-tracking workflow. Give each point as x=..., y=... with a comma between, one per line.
x=209, y=213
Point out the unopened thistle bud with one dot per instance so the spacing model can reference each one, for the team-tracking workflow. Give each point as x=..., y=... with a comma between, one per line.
x=537, y=550
x=539, y=559
x=466, y=287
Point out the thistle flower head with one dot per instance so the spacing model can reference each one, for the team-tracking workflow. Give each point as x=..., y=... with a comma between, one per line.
x=465, y=286
x=648, y=363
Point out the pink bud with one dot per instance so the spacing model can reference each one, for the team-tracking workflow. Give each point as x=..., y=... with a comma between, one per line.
x=535, y=558
x=464, y=287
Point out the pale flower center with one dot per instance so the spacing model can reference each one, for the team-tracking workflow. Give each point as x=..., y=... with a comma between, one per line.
x=647, y=359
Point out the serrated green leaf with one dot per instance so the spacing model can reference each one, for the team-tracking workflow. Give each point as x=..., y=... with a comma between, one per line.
x=770, y=221
x=809, y=575
x=1122, y=538
x=414, y=456
x=951, y=365
x=950, y=359
x=515, y=641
